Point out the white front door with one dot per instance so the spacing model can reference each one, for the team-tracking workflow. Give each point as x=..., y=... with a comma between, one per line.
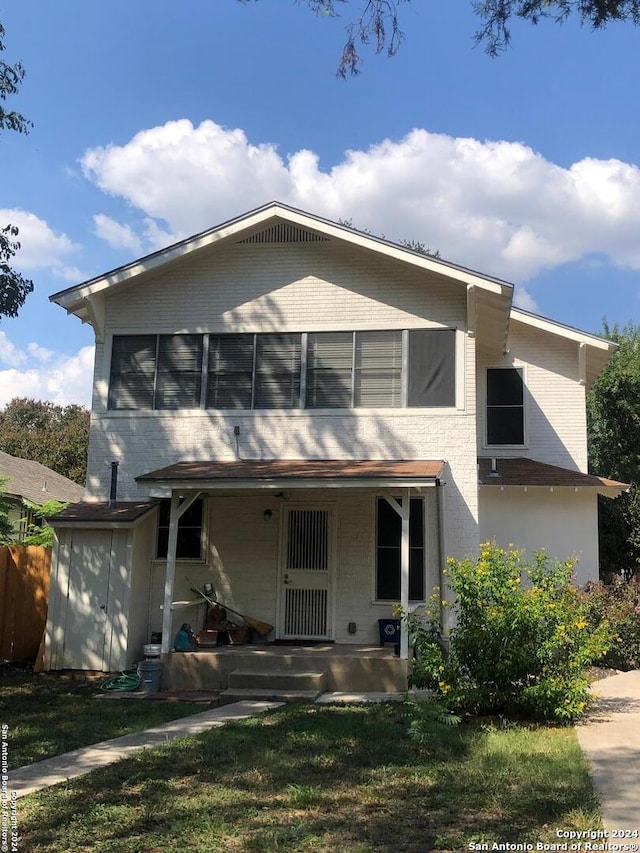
x=306, y=574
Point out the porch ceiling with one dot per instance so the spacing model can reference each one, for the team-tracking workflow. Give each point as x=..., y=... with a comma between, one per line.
x=297, y=473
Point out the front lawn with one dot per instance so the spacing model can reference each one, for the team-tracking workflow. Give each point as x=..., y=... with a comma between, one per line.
x=317, y=779
x=48, y=714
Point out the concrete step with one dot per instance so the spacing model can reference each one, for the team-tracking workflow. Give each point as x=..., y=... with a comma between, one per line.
x=237, y=694
x=278, y=680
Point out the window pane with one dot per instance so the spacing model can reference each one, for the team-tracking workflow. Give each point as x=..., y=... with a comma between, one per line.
x=389, y=525
x=432, y=367
x=189, y=543
x=378, y=369
x=505, y=406
x=133, y=363
x=329, y=368
x=388, y=580
x=179, y=372
x=505, y=425
x=230, y=372
x=277, y=384
x=505, y=387
x=416, y=574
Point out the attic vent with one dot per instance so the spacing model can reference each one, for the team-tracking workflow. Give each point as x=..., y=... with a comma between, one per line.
x=284, y=232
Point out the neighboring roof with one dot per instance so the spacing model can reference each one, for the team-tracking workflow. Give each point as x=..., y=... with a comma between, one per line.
x=101, y=513
x=520, y=471
x=296, y=473
x=36, y=482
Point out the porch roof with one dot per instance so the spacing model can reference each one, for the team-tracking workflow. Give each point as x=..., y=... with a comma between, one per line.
x=520, y=471
x=297, y=473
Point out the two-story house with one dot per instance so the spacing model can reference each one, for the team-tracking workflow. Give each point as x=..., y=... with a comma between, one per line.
x=311, y=419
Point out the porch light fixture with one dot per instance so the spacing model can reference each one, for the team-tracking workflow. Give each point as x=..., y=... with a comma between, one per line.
x=267, y=515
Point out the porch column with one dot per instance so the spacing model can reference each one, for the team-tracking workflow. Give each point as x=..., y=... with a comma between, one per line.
x=404, y=572
x=403, y=511
x=177, y=510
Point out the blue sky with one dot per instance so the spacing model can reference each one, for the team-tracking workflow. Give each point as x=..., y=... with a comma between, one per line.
x=154, y=120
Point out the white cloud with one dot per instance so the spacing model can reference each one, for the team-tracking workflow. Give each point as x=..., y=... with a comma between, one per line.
x=499, y=207
x=40, y=246
x=41, y=354
x=115, y=234
x=9, y=352
x=63, y=380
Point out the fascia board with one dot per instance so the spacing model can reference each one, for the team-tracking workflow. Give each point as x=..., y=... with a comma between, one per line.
x=555, y=328
x=293, y=483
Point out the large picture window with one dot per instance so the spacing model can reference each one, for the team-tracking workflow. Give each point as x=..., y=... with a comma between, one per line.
x=315, y=370
x=189, y=545
x=388, y=544
x=505, y=406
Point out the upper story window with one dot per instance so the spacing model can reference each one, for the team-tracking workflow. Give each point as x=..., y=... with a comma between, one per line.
x=505, y=405
x=319, y=370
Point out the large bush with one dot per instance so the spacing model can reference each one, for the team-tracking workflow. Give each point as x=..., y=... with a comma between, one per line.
x=522, y=641
x=618, y=604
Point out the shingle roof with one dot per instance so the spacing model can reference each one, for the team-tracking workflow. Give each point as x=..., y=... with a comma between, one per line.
x=520, y=471
x=297, y=469
x=36, y=482
x=102, y=512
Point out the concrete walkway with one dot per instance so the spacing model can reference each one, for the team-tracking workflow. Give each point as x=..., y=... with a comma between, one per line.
x=52, y=771
x=610, y=738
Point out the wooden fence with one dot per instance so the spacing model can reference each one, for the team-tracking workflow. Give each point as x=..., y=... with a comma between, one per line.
x=24, y=597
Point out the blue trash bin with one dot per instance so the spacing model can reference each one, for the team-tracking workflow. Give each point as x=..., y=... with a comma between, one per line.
x=389, y=631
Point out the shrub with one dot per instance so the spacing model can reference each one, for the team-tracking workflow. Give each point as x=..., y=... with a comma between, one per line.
x=521, y=643
x=618, y=603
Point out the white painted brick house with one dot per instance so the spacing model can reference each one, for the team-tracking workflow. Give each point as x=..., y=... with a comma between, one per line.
x=311, y=419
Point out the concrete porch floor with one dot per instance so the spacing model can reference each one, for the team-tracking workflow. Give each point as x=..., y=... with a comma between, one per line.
x=343, y=667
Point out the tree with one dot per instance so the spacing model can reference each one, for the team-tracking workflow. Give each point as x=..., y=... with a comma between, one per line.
x=14, y=288
x=55, y=436
x=378, y=22
x=613, y=414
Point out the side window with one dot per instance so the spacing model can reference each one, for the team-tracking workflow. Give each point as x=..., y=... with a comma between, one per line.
x=505, y=405
x=179, y=376
x=230, y=372
x=277, y=379
x=329, y=369
x=388, y=536
x=189, y=546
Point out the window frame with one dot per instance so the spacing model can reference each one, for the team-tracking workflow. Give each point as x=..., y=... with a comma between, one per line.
x=521, y=368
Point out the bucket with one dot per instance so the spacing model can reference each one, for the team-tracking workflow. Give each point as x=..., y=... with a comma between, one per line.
x=149, y=672
x=152, y=650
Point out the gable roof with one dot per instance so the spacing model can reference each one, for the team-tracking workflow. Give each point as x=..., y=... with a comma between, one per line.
x=277, y=222
x=36, y=482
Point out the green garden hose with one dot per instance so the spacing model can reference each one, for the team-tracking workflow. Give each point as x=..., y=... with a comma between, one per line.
x=127, y=680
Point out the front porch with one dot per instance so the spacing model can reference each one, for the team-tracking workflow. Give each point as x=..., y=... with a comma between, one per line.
x=295, y=669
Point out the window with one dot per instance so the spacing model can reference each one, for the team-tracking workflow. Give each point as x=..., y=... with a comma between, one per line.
x=329, y=363
x=133, y=367
x=378, y=369
x=230, y=372
x=505, y=406
x=316, y=370
x=179, y=374
x=388, y=538
x=432, y=367
x=189, y=545
x=277, y=382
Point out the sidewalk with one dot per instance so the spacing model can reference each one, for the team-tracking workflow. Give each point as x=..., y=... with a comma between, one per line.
x=52, y=771
x=610, y=738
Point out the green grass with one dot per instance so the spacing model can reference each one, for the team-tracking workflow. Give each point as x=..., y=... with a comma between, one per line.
x=314, y=779
x=48, y=714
